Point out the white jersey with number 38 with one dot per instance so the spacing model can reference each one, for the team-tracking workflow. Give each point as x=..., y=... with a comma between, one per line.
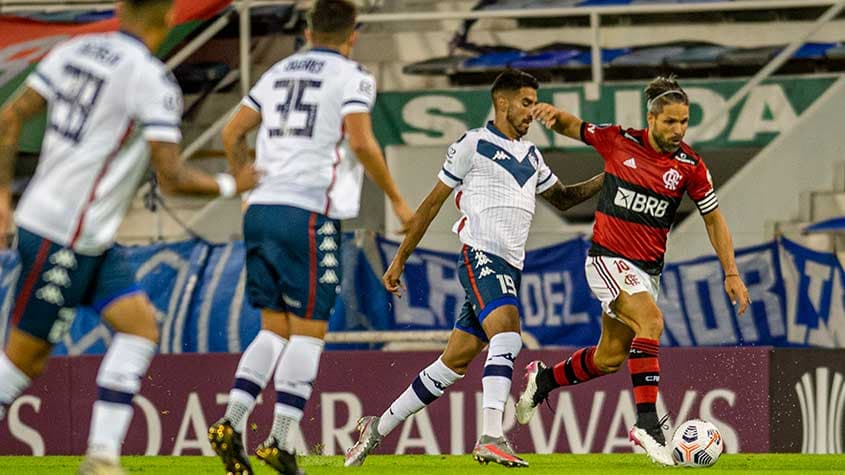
x=105, y=92
x=301, y=147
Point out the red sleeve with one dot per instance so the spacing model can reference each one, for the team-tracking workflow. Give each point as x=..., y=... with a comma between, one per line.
x=700, y=189
x=601, y=137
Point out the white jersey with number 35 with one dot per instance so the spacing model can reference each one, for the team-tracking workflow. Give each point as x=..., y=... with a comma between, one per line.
x=102, y=90
x=301, y=147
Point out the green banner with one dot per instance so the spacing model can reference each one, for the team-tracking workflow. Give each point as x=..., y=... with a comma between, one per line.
x=440, y=117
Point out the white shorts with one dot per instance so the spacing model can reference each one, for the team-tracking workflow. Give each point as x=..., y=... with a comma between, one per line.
x=608, y=276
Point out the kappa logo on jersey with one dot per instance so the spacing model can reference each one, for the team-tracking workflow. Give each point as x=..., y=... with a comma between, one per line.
x=329, y=260
x=640, y=203
x=630, y=163
x=329, y=277
x=485, y=272
x=500, y=155
x=328, y=244
x=671, y=179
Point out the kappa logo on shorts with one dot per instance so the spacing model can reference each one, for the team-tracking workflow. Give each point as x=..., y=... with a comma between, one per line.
x=57, y=276
x=485, y=272
x=51, y=294
x=481, y=259
x=327, y=229
x=329, y=277
x=329, y=260
x=328, y=244
x=64, y=258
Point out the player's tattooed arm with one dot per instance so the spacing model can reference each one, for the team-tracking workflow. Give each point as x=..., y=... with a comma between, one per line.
x=564, y=197
x=234, y=137
x=26, y=104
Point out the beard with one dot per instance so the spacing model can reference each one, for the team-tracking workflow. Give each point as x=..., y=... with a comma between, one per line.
x=520, y=126
x=665, y=145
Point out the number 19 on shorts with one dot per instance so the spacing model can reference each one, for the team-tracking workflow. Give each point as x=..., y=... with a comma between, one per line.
x=506, y=283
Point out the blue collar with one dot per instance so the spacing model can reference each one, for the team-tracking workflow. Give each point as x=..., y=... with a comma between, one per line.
x=492, y=128
x=325, y=50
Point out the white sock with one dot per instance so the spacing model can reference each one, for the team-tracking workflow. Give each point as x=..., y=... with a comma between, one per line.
x=294, y=381
x=118, y=380
x=254, y=371
x=13, y=382
x=496, y=382
x=426, y=388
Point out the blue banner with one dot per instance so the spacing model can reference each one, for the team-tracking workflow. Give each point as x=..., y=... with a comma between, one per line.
x=198, y=291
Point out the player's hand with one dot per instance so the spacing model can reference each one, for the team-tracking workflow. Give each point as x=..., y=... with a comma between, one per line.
x=546, y=114
x=247, y=177
x=391, y=278
x=737, y=292
x=5, y=216
x=404, y=213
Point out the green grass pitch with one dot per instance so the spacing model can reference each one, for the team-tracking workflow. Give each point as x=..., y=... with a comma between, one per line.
x=608, y=464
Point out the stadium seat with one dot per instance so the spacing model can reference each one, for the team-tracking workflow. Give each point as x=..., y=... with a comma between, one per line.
x=652, y=56
x=442, y=65
x=602, y=3
x=697, y=57
x=488, y=61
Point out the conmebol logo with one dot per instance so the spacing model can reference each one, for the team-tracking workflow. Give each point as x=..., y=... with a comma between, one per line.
x=821, y=403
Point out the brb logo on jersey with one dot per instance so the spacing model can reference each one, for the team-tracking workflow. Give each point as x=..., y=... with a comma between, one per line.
x=671, y=179
x=640, y=203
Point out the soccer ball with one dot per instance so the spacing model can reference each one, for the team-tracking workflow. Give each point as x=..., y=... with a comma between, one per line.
x=696, y=443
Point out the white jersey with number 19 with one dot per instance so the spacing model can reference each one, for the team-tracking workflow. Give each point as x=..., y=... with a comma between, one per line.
x=301, y=147
x=101, y=90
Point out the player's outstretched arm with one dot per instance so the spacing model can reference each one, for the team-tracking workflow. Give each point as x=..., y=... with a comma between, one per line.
x=564, y=197
x=25, y=104
x=558, y=120
x=177, y=177
x=720, y=238
x=363, y=142
x=419, y=223
x=234, y=135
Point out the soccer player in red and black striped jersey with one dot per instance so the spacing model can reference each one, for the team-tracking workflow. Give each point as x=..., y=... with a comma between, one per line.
x=647, y=173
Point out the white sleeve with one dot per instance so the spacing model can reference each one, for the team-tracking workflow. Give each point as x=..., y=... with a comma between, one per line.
x=46, y=75
x=256, y=95
x=359, y=93
x=545, y=178
x=458, y=161
x=158, y=105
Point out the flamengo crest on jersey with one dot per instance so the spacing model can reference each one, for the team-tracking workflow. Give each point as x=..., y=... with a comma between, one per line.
x=301, y=146
x=641, y=192
x=499, y=181
x=102, y=90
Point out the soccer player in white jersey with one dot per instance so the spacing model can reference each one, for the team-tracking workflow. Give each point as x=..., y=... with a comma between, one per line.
x=108, y=102
x=500, y=174
x=312, y=111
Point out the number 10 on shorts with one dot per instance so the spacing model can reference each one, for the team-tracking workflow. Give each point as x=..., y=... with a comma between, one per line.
x=506, y=283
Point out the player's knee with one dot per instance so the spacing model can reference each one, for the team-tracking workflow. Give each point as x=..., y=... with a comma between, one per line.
x=651, y=326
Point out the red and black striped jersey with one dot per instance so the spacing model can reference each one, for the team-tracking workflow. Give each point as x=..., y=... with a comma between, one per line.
x=641, y=193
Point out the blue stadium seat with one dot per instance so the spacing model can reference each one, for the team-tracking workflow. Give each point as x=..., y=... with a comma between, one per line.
x=506, y=5
x=607, y=56
x=813, y=50
x=551, y=3
x=497, y=60
x=442, y=65
x=749, y=56
x=546, y=59
x=650, y=56
x=602, y=3
x=698, y=56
